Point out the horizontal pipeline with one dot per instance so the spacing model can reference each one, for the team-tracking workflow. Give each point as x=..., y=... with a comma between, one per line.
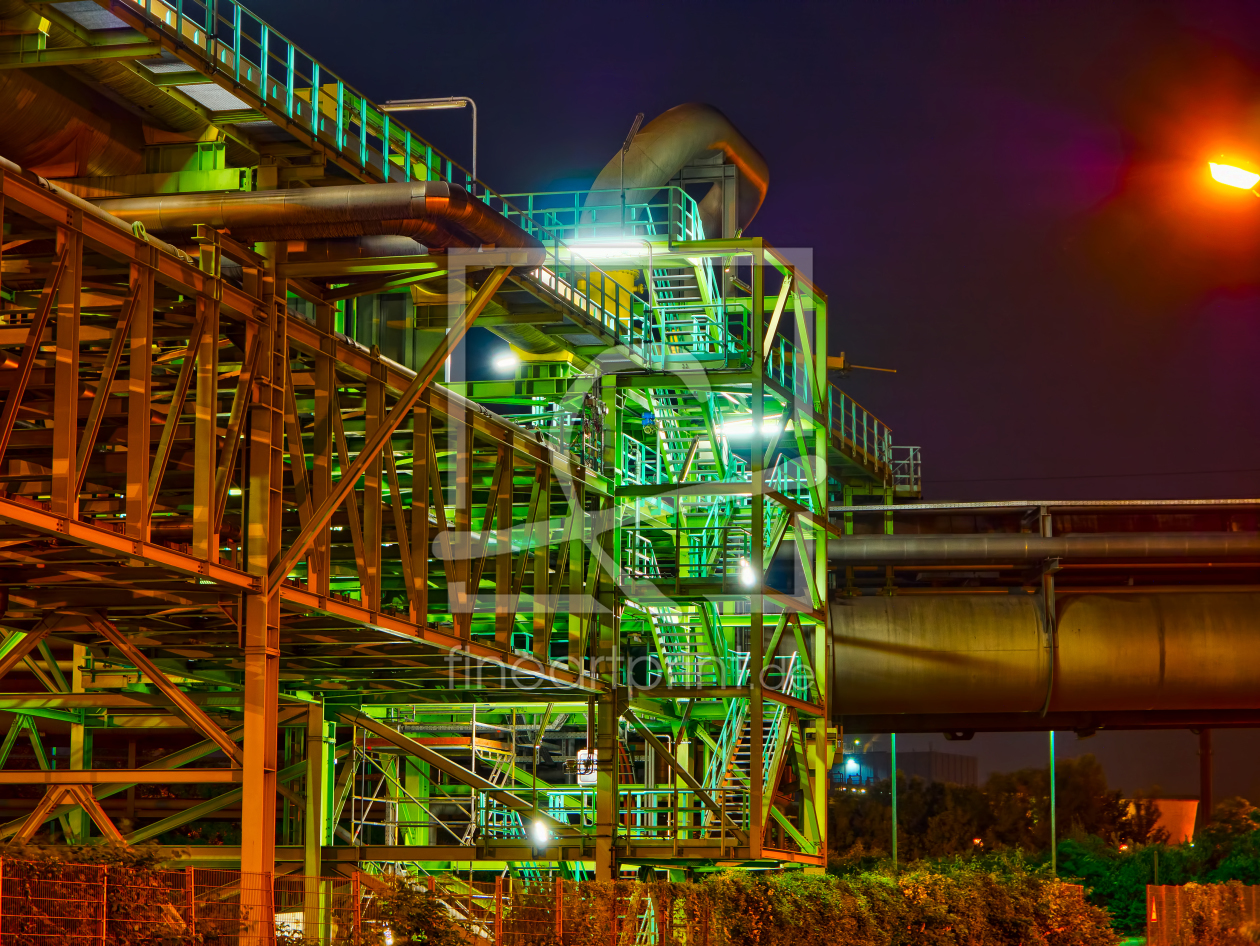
x=993, y=548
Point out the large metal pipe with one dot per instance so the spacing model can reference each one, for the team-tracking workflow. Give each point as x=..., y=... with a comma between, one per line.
x=1009, y=548
x=991, y=654
x=61, y=128
x=435, y=213
x=673, y=140
x=69, y=123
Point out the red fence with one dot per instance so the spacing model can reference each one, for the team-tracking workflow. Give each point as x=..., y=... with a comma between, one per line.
x=1199, y=914
x=88, y=904
x=50, y=904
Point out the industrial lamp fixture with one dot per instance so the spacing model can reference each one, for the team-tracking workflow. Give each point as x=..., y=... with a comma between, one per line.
x=1234, y=176
x=625, y=149
x=427, y=105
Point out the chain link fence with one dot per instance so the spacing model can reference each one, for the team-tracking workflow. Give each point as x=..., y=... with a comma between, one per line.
x=50, y=904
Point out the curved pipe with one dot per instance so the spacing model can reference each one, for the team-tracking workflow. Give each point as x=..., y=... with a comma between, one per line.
x=60, y=128
x=674, y=139
x=990, y=654
x=1009, y=547
x=434, y=213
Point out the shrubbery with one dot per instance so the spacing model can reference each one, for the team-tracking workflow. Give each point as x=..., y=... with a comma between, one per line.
x=1228, y=849
x=1000, y=902
x=74, y=892
x=997, y=903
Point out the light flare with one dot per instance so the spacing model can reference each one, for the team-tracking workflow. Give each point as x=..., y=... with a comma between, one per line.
x=1234, y=176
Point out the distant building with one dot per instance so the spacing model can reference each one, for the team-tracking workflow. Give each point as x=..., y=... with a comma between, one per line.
x=865, y=768
x=1176, y=816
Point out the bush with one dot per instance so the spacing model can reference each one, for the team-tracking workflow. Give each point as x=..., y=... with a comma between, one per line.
x=415, y=916
x=77, y=890
x=1001, y=903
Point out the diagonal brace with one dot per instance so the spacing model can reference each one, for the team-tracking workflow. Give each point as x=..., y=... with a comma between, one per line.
x=193, y=713
x=401, y=409
x=740, y=835
x=453, y=769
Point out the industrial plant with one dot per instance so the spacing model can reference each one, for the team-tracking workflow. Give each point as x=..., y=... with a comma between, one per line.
x=359, y=519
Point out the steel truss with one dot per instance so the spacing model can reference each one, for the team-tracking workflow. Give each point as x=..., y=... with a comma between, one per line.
x=570, y=621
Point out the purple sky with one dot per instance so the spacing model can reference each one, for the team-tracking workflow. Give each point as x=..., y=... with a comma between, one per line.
x=1005, y=201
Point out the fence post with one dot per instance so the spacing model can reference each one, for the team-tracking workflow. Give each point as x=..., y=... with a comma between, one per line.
x=358, y=905
x=560, y=910
x=104, y=900
x=498, y=910
x=190, y=896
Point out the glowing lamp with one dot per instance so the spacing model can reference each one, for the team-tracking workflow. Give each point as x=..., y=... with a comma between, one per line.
x=540, y=833
x=506, y=362
x=1234, y=176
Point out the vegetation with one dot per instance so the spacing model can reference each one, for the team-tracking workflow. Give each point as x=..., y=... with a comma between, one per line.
x=111, y=891
x=1003, y=901
x=960, y=901
x=1112, y=849
x=1009, y=812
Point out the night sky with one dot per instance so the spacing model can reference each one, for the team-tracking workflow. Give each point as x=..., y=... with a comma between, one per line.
x=1007, y=202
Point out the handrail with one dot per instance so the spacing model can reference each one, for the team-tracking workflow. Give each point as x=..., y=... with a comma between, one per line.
x=670, y=213
x=254, y=58
x=858, y=427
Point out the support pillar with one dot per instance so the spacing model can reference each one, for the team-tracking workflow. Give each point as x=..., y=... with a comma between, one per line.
x=756, y=708
x=260, y=631
x=317, y=763
x=1204, y=817
x=606, y=785
x=64, y=494
x=79, y=823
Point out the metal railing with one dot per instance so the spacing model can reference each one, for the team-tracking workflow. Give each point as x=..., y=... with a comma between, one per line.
x=786, y=366
x=714, y=553
x=907, y=469
x=694, y=331
x=258, y=58
x=668, y=213
x=640, y=464
x=290, y=81
x=868, y=436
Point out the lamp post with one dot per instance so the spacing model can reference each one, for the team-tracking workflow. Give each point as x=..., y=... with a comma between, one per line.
x=892, y=758
x=426, y=105
x=1054, y=849
x=625, y=149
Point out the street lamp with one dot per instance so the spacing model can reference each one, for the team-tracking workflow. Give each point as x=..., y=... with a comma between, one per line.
x=625, y=149
x=426, y=105
x=1234, y=176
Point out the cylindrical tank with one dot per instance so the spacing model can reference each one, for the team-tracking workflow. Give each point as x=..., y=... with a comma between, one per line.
x=988, y=653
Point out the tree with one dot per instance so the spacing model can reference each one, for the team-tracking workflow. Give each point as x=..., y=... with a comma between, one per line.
x=1011, y=811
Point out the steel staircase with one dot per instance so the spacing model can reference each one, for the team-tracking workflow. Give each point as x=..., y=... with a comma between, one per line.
x=730, y=766
x=684, y=643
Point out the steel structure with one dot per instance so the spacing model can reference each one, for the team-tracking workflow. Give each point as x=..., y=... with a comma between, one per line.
x=283, y=585
x=257, y=548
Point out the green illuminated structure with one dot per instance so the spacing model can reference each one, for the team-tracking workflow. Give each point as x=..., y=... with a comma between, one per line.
x=569, y=615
